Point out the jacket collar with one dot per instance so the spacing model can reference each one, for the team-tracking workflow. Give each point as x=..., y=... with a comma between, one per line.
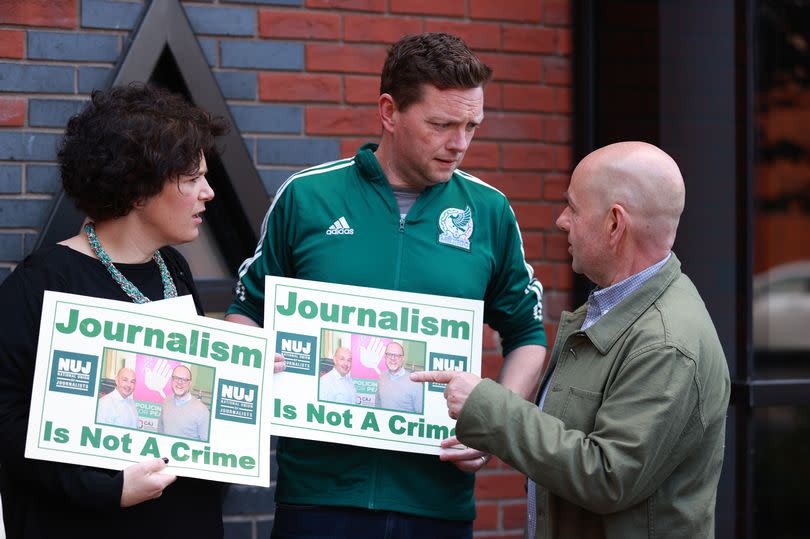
x=368, y=165
x=371, y=171
x=612, y=325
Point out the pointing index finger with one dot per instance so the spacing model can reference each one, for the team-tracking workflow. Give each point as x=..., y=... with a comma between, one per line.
x=442, y=377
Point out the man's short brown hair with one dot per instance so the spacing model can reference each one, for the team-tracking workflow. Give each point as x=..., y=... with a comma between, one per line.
x=440, y=59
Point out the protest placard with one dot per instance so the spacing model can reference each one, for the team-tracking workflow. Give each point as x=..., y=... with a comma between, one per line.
x=348, y=352
x=117, y=383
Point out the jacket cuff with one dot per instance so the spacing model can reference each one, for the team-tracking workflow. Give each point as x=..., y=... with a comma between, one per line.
x=476, y=425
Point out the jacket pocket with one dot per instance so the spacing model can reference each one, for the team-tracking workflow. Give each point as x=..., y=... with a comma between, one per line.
x=579, y=411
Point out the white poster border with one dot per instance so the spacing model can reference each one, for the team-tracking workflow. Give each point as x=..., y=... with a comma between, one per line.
x=300, y=387
x=248, y=440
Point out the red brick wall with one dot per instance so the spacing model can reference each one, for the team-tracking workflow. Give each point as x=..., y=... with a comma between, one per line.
x=42, y=13
x=12, y=111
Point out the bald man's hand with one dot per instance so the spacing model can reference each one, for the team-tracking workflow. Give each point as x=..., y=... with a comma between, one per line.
x=459, y=386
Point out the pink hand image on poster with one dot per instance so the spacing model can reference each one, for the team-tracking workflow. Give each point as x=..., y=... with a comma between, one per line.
x=368, y=356
x=154, y=376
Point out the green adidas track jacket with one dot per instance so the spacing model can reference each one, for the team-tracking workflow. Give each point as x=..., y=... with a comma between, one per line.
x=339, y=222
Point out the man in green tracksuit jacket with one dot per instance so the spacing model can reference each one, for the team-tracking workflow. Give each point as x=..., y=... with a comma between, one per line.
x=628, y=438
x=401, y=217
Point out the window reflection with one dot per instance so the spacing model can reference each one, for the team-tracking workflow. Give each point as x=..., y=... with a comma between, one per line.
x=781, y=285
x=781, y=309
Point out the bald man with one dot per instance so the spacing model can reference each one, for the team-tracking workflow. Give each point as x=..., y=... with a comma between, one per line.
x=118, y=407
x=337, y=385
x=626, y=439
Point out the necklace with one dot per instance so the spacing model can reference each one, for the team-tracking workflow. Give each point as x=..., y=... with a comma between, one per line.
x=169, y=290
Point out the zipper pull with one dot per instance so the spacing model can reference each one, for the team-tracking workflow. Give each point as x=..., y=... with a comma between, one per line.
x=402, y=224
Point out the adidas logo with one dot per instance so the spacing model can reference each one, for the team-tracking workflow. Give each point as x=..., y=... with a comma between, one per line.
x=340, y=227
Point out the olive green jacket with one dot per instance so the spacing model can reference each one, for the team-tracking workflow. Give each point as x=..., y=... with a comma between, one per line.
x=630, y=440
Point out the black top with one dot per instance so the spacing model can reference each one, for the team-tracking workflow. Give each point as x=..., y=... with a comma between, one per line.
x=50, y=499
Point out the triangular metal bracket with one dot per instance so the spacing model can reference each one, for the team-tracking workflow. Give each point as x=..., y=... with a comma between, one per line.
x=164, y=37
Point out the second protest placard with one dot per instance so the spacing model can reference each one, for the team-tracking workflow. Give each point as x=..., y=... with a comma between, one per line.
x=117, y=384
x=349, y=351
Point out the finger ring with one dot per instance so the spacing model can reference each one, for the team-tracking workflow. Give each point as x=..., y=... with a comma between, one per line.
x=484, y=460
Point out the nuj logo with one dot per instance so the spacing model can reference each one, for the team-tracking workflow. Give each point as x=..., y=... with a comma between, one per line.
x=293, y=345
x=74, y=365
x=448, y=364
x=237, y=393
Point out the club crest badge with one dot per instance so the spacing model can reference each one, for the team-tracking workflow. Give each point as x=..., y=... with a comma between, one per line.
x=456, y=227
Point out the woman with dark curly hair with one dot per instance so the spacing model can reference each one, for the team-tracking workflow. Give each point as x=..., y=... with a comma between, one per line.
x=134, y=161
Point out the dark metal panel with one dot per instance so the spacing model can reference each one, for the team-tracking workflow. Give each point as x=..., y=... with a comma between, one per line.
x=216, y=294
x=64, y=221
x=793, y=392
x=742, y=368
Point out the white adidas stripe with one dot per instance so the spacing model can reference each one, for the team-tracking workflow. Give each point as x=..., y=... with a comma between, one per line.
x=320, y=169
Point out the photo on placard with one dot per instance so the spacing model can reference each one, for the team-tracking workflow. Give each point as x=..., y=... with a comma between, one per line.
x=155, y=394
x=370, y=371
